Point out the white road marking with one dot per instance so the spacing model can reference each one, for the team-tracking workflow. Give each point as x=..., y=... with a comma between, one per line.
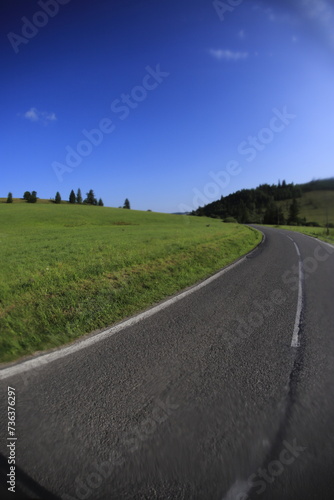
x=321, y=242
x=297, y=249
x=295, y=342
x=239, y=489
x=44, y=359
x=330, y=249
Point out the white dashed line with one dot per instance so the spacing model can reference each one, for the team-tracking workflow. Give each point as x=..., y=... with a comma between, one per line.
x=295, y=342
x=239, y=489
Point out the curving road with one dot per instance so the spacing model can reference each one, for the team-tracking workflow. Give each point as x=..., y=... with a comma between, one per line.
x=224, y=394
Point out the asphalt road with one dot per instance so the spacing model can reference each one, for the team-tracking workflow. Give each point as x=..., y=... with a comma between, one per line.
x=226, y=394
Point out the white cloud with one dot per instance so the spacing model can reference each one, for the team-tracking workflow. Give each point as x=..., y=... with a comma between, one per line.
x=265, y=10
x=272, y=15
x=322, y=13
x=241, y=34
x=318, y=9
x=319, y=12
x=39, y=116
x=228, y=55
x=52, y=117
x=31, y=115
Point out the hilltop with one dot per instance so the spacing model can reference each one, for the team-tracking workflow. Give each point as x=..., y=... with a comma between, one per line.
x=39, y=201
x=293, y=204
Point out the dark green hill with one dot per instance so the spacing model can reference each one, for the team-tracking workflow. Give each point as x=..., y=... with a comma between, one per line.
x=294, y=204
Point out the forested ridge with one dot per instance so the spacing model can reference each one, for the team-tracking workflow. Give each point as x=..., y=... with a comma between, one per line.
x=261, y=205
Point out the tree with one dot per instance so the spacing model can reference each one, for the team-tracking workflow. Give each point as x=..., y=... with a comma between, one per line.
x=33, y=197
x=79, y=196
x=26, y=195
x=90, y=200
x=72, y=198
x=243, y=213
x=273, y=214
x=126, y=204
x=58, y=197
x=280, y=216
x=293, y=212
x=9, y=198
x=100, y=203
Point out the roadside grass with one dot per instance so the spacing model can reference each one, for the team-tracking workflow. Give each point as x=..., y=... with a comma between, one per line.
x=68, y=270
x=316, y=232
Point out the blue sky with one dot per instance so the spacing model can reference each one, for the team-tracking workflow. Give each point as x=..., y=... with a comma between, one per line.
x=168, y=103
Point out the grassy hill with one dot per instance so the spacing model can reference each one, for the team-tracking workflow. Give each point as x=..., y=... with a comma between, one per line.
x=70, y=269
x=314, y=206
x=271, y=204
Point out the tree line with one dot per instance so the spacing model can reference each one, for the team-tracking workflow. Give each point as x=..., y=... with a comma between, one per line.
x=257, y=205
x=31, y=197
x=318, y=185
x=77, y=198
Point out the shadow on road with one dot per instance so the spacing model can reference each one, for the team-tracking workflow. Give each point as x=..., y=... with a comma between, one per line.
x=25, y=486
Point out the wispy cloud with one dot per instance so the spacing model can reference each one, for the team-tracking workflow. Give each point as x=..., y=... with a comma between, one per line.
x=322, y=13
x=318, y=9
x=31, y=115
x=273, y=15
x=268, y=11
x=34, y=115
x=228, y=55
x=241, y=34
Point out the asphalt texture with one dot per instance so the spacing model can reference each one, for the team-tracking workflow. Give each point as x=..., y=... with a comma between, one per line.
x=205, y=399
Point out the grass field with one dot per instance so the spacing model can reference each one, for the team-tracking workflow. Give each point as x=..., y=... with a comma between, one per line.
x=314, y=205
x=316, y=232
x=68, y=270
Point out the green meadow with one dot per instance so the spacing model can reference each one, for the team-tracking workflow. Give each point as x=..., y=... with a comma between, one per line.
x=67, y=270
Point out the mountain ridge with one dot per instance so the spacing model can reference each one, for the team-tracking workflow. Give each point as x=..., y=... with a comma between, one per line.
x=311, y=203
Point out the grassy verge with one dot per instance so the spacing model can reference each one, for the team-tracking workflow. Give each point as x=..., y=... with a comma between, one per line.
x=316, y=232
x=68, y=270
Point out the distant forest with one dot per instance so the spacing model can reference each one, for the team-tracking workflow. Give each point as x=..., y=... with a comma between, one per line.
x=259, y=205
